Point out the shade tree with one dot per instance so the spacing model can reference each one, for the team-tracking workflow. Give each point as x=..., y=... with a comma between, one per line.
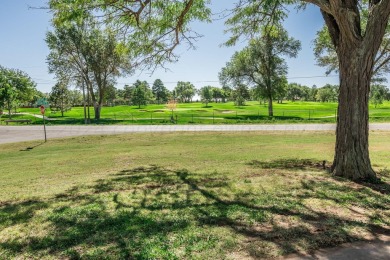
x=16, y=88
x=327, y=93
x=86, y=52
x=240, y=94
x=142, y=94
x=164, y=24
x=206, y=94
x=151, y=29
x=160, y=92
x=184, y=91
x=378, y=94
x=261, y=63
x=60, y=98
x=356, y=43
x=326, y=55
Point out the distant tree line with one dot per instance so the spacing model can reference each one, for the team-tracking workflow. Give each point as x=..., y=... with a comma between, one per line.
x=17, y=89
x=141, y=94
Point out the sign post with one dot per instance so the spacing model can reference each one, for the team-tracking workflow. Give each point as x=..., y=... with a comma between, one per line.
x=43, y=117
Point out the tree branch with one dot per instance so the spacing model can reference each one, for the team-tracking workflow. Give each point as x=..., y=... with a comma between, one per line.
x=323, y=4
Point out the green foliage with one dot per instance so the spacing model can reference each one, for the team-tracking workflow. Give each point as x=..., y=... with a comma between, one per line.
x=217, y=94
x=261, y=64
x=75, y=97
x=328, y=93
x=241, y=94
x=206, y=94
x=184, y=91
x=142, y=94
x=324, y=51
x=88, y=55
x=378, y=93
x=60, y=98
x=326, y=55
x=160, y=92
x=226, y=93
x=279, y=89
x=16, y=88
x=152, y=29
x=296, y=91
x=127, y=93
x=251, y=18
x=110, y=95
x=224, y=113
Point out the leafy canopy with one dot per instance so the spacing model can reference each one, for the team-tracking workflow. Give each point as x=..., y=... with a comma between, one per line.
x=151, y=29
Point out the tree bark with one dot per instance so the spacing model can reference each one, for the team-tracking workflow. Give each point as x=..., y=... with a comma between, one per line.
x=352, y=158
x=97, y=108
x=356, y=50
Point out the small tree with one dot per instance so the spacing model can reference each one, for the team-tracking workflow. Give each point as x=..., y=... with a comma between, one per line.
x=261, y=63
x=7, y=96
x=128, y=93
x=60, y=98
x=281, y=89
x=141, y=94
x=110, y=95
x=160, y=92
x=240, y=95
x=172, y=104
x=184, y=91
x=313, y=93
x=294, y=92
x=378, y=93
x=217, y=94
x=16, y=87
x=206, y=94
x=226, y=93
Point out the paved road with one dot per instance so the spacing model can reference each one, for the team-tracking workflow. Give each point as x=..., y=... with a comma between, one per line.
x=11, y=134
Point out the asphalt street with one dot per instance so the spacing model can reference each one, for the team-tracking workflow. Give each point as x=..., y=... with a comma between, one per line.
x=11, y=134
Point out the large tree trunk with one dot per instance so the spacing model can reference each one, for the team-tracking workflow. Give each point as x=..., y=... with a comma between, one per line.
x=351, y=153
x=356, y=50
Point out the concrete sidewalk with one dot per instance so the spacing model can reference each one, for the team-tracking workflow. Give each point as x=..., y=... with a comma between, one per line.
x=10, y=134
x=376, y=250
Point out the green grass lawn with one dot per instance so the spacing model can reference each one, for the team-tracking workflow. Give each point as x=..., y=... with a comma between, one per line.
x=214, y=113
x=184, y=196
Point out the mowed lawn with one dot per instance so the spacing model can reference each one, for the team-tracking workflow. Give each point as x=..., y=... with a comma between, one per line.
x=185, y=196
x=214, y=113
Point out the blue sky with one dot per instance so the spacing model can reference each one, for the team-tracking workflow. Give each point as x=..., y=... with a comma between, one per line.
x=22, y=46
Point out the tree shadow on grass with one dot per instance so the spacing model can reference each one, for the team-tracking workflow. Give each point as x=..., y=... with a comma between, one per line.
x=290, y=164
x=380, y=185
x=262, y=117
x=17, y=213
x=311, y=164
x=154, y=212
x=29, y=148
